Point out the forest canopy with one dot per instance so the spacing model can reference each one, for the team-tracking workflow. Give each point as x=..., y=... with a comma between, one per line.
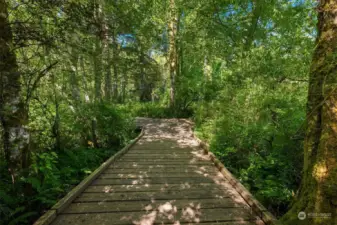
x=75, y=74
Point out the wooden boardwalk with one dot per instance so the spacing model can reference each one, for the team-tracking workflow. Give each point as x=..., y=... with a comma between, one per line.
x=163, y=179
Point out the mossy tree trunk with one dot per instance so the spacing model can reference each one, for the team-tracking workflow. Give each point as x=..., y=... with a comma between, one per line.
x=13, y=110
x=318, y=191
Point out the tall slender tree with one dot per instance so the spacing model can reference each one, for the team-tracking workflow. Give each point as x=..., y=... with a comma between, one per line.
x=173, y=59
x=114, y=62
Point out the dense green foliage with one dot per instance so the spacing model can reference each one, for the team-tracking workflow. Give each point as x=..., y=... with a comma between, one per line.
x=51, y=175
x=258, y=133
x=89, y=67
x=54, y=172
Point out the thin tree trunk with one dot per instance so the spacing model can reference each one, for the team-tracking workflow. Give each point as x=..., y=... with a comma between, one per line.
x=124, y=84
x=13, y=113
x=114, y=65
x=142, y=96
x=85, y=81
x=73, y=77
x=318, y=191
x=173, y=22
x=100, y=49
x=56, y=125
x=98, y=70
x=178, y=42
x=181, y=57
x=105, y=51
x=108, y=87
x=93, y=132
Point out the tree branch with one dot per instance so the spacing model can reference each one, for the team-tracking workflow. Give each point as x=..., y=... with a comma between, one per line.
x=37, y=80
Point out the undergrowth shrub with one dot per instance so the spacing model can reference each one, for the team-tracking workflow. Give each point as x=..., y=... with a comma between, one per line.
x=258, y=137
x=54, y=172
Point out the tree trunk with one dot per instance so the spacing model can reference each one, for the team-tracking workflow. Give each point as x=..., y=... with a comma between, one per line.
x=144, y=95
x=108, y=86
x=318, y=191
x=100, y=49
x=104, y=37
x=13, y=113
x=97, y=58
x=73, y=77
x=85, y=81
x=114, y=65
x=93, y=133
x=123, y=92
x=56, y=125
x=173, y=22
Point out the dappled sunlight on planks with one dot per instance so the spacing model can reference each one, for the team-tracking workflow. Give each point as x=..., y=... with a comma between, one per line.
x=178, y=130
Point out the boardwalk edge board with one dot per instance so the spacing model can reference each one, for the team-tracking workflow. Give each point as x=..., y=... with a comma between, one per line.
x=255, y=205
x=51, y=214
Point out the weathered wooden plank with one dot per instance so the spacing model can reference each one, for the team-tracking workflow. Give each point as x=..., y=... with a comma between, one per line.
x=152, y=187
x=166, y=151
x=162, y=151
x=173, y=156
x=166, y=145
x=163, y=147
x=137, y=164
x=151, y=149
x=153, y=181
x=189, y=160
x=159, y=166
x=163, y=168
x=158, y=153
x=144, y=196
x=157, y=175
x=132, y=206
x=168, y=171
x=162, y=162
x=256, y=221
x=146, y=153
x=160, y=157
x=167, y=215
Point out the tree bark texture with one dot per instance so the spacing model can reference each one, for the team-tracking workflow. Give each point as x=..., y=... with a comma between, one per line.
x=318, y=191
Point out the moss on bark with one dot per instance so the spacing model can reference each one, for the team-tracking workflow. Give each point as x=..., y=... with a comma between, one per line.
x=318, y=192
